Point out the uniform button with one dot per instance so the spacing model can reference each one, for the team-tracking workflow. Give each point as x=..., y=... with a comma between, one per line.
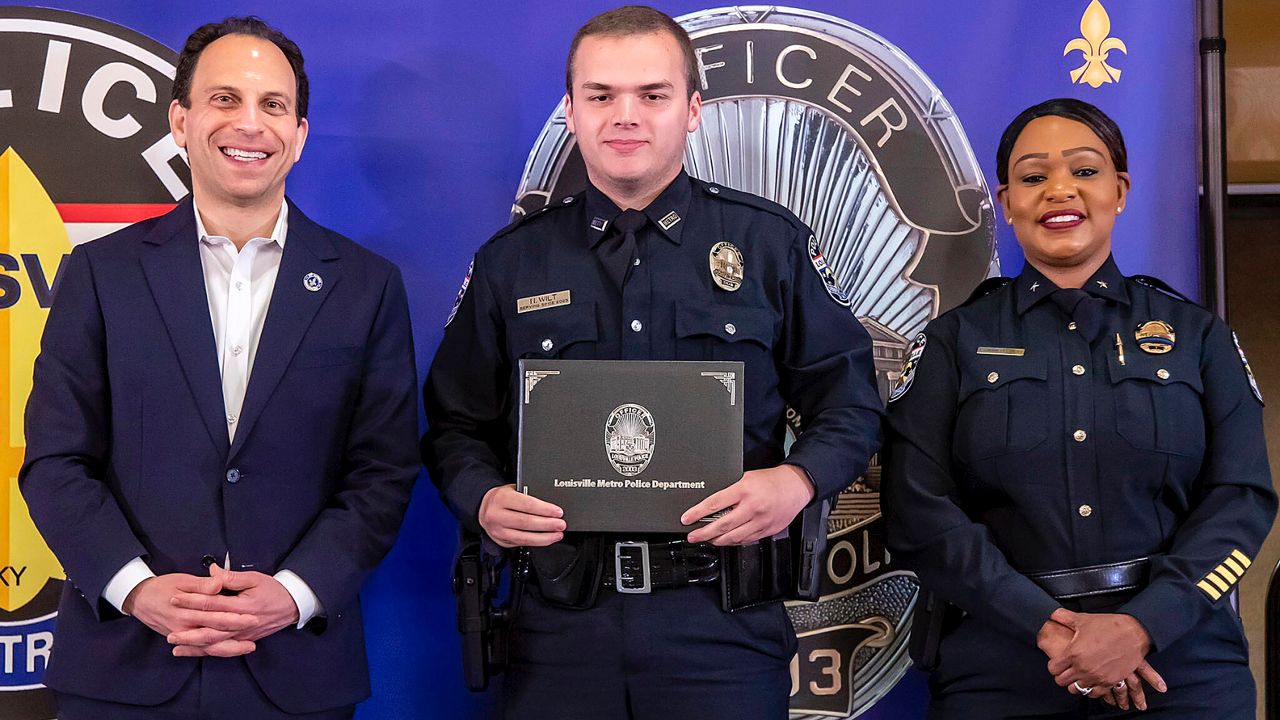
x=1078, y=369
x=1085, y=511
x=994, y=376
x=233, y=476
x=1071, y=326
x=1079, y=435
x=231, y=419
x=713, y=190
x=730, y=328
x=208, y=560
x=547, y=345
x=568, y=200
x=1162, y=374
x=637, y=326
x=236, y=349
x=636, y=261
x=239, y=285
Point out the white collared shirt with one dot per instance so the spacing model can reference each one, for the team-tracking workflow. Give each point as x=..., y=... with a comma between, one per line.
x=239, y=285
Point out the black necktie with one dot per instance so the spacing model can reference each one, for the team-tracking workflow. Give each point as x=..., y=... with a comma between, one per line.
x=618, y=252
x=1083, y=308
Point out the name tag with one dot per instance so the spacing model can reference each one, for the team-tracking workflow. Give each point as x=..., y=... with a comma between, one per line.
x=1011, y=352
x=542, y=302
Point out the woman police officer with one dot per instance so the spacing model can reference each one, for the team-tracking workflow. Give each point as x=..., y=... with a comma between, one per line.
x=1075, y=465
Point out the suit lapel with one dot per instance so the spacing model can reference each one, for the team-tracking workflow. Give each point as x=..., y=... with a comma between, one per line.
x=176, y=277
x=307, y=250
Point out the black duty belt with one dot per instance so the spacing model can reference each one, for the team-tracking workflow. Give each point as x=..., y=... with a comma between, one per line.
x=639, y=566
x=1094, y=579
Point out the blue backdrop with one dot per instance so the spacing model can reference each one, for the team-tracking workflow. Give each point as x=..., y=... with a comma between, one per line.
x=423, y=114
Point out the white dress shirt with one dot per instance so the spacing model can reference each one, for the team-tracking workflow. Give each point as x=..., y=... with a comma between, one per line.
x=239, y=284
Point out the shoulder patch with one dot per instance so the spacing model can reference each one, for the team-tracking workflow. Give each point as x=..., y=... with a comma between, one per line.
x=909, y=366
x=1157, y=284
x=825, y=272
x=567, y=201
x=986, y=287
x=462, y=292
x=1248, y=371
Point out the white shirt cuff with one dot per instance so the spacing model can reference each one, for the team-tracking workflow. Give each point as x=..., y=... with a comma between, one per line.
x=124, y=581
x=303, y=596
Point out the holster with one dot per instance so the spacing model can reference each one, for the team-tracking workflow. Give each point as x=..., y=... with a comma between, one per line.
x=932, y=620
x=482, y=624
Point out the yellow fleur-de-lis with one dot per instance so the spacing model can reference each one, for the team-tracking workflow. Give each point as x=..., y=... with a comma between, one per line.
x=1095, y=26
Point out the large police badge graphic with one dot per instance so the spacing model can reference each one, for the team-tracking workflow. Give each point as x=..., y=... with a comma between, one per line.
x=837, y=124
x=84, y=150
x=629, y=439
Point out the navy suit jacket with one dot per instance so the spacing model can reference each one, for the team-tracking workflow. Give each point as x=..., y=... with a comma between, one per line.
x=128, y=454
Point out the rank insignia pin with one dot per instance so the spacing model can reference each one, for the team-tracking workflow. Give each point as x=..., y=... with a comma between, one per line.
x=312, y=282
x=1155, y=337
x=726, y=266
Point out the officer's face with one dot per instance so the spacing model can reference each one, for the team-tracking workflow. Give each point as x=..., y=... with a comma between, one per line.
x=241, y=133
x=1063, y=194
x=631, y=112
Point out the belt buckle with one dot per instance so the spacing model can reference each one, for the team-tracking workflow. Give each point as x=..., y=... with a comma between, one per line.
x=627, y=577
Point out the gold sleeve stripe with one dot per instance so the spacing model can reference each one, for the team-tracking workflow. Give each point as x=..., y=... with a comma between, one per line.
x=1225, y=573
x=1209, y=590
x=1235, y=566
x=1222, y=585
x=1239, y=556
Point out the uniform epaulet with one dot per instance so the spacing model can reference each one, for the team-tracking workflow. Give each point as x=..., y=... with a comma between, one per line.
x=744, y=198
x=986, y=287
x=1157, y=284
x=568, y=201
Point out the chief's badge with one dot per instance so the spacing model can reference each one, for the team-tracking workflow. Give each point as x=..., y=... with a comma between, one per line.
x=909, y=366
x=1248, y=371
x=462, y=292
x=629, y=438
x=1155, y=337
x=825, y=272
x=726, y=266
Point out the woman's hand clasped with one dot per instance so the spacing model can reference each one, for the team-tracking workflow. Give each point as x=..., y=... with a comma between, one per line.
x=1100, y=655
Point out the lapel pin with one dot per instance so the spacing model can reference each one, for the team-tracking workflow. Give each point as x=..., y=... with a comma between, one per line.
x=312, y=282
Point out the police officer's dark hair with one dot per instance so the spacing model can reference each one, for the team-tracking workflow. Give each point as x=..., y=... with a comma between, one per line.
x=634, y=20
x=1072, y=109
x=248, y=25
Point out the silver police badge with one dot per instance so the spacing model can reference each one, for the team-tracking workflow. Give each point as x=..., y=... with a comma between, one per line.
x=841, y=127
x=726, y=266
x=629, y=439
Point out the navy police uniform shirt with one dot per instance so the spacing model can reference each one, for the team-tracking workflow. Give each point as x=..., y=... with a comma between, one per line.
x=1016, y=446
x=787, y=321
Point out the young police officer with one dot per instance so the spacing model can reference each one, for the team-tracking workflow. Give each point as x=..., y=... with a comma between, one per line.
x=635, y=251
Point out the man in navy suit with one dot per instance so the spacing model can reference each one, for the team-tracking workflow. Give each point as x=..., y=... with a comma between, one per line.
x=221, y=435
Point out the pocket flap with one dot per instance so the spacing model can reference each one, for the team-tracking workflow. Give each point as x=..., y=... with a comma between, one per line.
x=730, y=323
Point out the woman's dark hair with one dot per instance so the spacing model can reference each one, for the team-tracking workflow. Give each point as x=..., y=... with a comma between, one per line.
x=252, y=26
x=1072, y=109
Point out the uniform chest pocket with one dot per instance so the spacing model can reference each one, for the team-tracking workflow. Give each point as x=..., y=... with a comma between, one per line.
x=568, y=332
x=722, y=332
x=1158, y=401
x=1002, y=406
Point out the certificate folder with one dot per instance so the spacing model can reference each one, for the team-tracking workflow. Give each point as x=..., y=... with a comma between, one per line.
x=628, y=446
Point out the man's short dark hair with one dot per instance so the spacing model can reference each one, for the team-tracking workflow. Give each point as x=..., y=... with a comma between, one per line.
x=1072, y=109
x=634, y=20
x=252, y=26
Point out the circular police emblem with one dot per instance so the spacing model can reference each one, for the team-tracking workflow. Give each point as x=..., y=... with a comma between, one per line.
x=840, y=126
x=829, y=279
x=726, y=266
x=84, y=150
x=629, y=439
x=312, y=282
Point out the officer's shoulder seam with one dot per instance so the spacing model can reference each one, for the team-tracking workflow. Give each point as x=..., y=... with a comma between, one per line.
x=528, y=217
x=721, y=192
x=1156, y=283
x=986, y=287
